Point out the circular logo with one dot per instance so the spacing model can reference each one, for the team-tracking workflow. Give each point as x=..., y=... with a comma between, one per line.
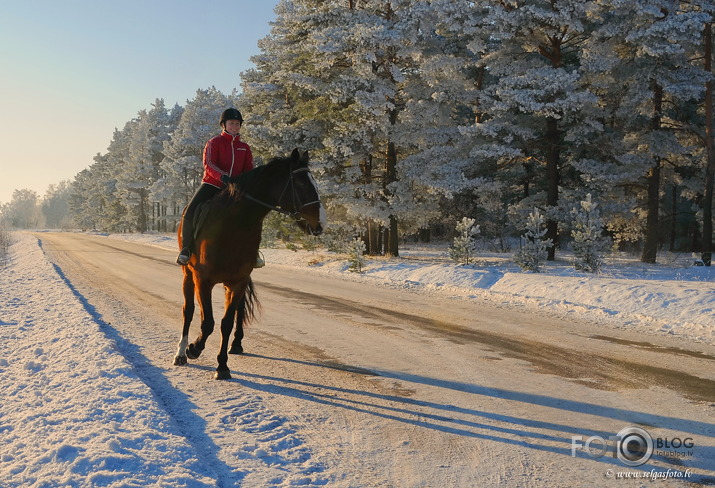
x=634, y=446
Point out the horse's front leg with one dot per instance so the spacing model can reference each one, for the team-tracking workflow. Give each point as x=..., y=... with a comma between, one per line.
x=188, y=312
x=234, y=294
x=194, y=350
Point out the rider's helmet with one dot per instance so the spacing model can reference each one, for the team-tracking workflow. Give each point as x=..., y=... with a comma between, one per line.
x=230, y=114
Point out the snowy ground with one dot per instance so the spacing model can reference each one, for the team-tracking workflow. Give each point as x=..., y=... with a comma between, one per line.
x=109, y=430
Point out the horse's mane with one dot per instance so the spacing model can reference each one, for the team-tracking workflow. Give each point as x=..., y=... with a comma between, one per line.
x=238, y=185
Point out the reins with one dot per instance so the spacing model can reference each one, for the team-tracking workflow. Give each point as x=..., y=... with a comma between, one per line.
x=295, y=215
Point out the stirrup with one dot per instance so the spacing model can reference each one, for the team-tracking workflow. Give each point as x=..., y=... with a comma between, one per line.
x=260, y=262
x=184, y=257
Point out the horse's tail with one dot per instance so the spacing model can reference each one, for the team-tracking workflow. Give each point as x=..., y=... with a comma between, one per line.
x=249, y=306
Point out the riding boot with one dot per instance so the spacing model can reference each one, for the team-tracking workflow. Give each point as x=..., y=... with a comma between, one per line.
x=187, y=242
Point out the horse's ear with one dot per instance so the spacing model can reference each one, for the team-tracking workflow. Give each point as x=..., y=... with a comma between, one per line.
x=295, y=155
x=304, y=158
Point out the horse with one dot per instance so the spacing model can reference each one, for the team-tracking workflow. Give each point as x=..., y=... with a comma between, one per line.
x=226, y=248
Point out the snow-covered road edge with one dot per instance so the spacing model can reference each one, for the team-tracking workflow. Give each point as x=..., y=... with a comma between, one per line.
x=74, y=408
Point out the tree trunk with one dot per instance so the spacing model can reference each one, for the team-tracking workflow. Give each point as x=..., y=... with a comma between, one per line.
x=390, y=177
x=552, y=175
x=650, y=246
x=143, y=217
x=552, y=51
x=674, y=216
x=710, y=151
x=373, y=247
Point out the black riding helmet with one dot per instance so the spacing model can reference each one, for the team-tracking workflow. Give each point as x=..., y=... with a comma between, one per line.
x=230, y=114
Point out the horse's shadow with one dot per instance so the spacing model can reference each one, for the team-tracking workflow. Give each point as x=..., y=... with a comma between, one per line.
x=178, y=405
x=469, y=422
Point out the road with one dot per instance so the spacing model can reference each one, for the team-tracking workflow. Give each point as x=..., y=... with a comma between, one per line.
x=348, y=384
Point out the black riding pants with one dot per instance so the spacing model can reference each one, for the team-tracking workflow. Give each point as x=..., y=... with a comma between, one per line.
x=204, y=193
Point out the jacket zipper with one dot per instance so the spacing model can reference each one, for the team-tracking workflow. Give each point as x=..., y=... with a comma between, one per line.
x=233, y=156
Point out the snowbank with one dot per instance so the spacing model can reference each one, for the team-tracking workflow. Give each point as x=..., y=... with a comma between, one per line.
x=73, y=411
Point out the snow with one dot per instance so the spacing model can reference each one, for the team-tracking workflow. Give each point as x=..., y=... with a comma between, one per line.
x=75, y=412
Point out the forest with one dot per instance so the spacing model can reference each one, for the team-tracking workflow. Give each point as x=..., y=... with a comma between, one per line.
x=419, y=114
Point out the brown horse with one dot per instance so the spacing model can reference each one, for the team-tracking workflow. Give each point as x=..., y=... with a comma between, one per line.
x=227, y=245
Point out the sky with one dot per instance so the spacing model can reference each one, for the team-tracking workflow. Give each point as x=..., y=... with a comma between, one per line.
x=73, y=71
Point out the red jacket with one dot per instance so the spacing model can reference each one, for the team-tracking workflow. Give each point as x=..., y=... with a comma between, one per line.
x=225, y=155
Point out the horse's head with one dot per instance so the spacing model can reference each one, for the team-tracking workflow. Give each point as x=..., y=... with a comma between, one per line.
x=300, y=196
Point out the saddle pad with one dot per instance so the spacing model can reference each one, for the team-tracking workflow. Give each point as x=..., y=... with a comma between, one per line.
x=200, y=216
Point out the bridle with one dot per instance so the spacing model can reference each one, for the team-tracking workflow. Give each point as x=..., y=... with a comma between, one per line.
x=296, y=201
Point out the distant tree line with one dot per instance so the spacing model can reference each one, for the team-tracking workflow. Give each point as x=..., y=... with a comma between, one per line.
x=27, y=210
x=421, y=113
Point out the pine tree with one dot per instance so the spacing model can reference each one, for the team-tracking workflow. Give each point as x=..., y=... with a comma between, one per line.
x=93, y=201
x=464, y=245
x=347, y=77
x=636, y=66
x=182, y=166
x=161, y=192
x=356, y=255
x=110, y=168
x=589, y=245
x=534, y=247
x=535, y=107
x=54, y=205
x=145, y=137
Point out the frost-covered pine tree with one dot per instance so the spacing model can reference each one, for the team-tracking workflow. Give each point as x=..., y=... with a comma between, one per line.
x=54, y=206
x=535, y=109
x=141, y=169
x=182, y=166
x=638, y=62
x=111, y=166
x=356, y=255
x=93, y=201
x=284, y=94
x=160, y=193
x=347, y=77
x=534, y=247
x=589, y=244
x=464, y=245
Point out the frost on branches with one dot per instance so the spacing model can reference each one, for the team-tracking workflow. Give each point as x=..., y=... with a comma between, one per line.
x=589, y=245
x=356, y=252
x=533, y=252
x=463, y=246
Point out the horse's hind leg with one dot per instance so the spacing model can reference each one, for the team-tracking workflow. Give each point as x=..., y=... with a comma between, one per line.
x=188, y=313
x=194, y=350
x=236, y=346
x=245, y=312
x=234, y=294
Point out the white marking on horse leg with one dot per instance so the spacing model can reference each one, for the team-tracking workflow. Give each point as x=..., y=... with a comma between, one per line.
x=181, y=351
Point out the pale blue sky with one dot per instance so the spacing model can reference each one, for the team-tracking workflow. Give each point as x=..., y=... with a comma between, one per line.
x=71, y=71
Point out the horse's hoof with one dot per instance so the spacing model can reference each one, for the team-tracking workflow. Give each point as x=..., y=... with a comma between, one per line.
x=236, y=350
x=193, y=352
x=222, y=374
x=179, y=360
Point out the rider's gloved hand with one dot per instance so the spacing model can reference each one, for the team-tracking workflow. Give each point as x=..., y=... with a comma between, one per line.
x=225, y=179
